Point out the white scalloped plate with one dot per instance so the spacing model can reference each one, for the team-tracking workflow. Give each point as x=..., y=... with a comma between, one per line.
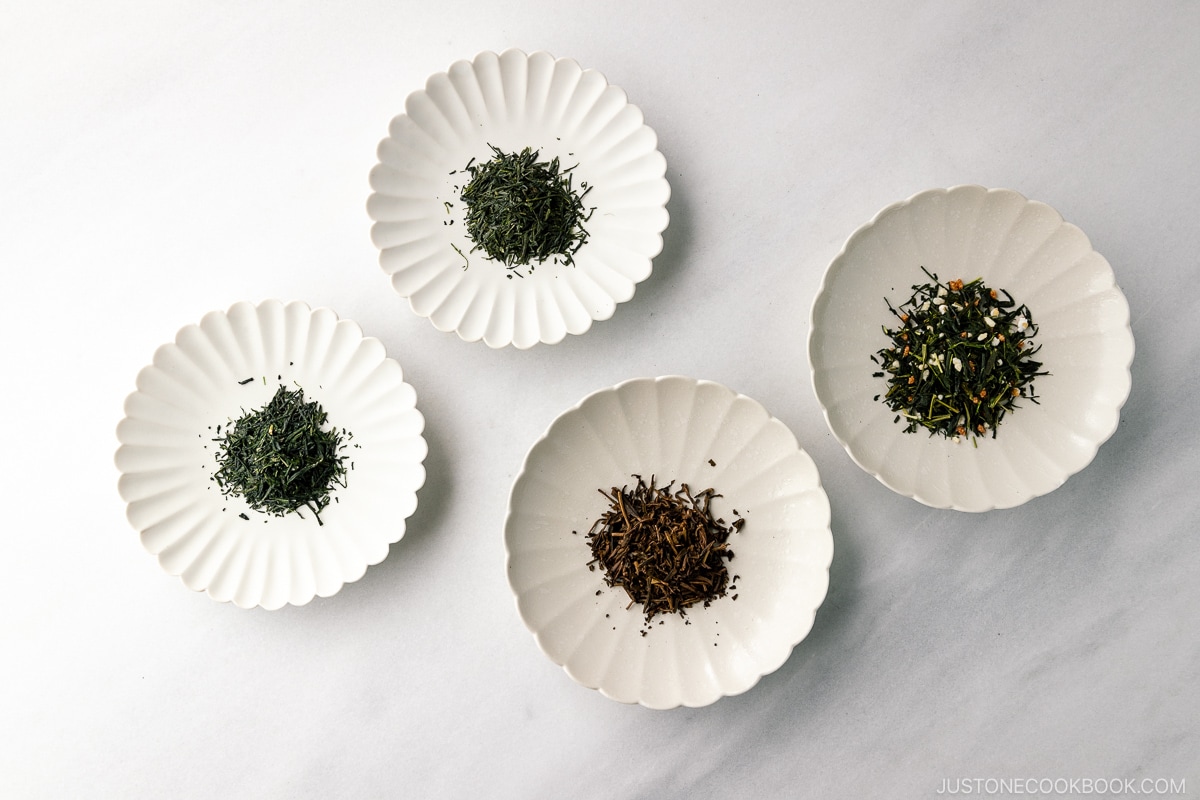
x=669, y=427
x=167, y=455
x=513, y=101
x=1015, y=244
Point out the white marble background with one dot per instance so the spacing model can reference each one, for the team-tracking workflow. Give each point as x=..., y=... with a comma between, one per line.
x=160, y=160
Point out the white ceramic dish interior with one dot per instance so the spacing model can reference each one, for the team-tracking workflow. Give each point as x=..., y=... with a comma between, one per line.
x=514, y=100
x=167, y=453
x=1015, y=244
x=669, y=427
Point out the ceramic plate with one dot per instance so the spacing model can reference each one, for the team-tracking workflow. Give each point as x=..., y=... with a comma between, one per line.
x=671, y=428
x=167, y=453
x=513, y=101
x=1015, y=244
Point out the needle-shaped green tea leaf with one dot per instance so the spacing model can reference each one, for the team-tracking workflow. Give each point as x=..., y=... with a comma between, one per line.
x=522, y=211
x=282, y=457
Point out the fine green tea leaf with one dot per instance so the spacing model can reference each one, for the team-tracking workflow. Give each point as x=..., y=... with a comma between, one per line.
x=522, y=211
x=282, y=457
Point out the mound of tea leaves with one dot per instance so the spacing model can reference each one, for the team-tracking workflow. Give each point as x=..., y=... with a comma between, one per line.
x=959, y=358
x=522, y=211
x=663, y=546
x=282, y=457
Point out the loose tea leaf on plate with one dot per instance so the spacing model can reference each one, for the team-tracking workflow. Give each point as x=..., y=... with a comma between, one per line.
x=521, y=210
x=959, y=359
x=663, y=546
x=282, y=457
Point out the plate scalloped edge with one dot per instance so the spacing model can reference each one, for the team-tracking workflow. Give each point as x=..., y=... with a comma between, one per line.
x=586, y=632
x=572, y=113
x=820, y=297
x=196, y=381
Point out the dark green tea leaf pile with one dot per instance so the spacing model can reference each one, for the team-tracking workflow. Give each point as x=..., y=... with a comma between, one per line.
x=662, y=546
x=959, y=359
x=281, y=458
x=521, y=210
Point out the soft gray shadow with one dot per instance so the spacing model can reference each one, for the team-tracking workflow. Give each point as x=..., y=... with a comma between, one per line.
x=433, y=499
x=800, y=679
x=802, y=670
x=667, y=266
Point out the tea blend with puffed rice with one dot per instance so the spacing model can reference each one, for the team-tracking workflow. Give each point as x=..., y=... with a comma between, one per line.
x=959, y=359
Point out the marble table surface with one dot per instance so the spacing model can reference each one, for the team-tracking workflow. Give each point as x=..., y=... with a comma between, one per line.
x=162, y=160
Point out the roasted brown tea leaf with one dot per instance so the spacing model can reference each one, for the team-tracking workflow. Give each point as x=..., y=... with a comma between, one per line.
x=662, y=546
